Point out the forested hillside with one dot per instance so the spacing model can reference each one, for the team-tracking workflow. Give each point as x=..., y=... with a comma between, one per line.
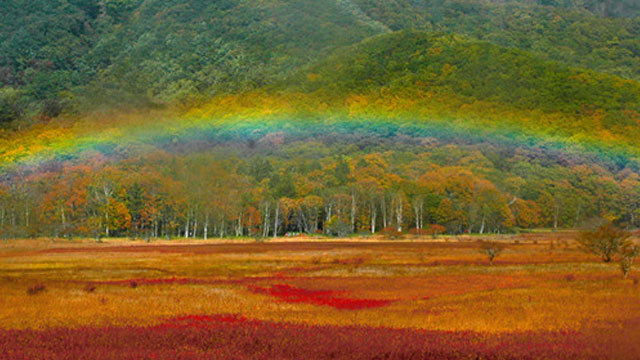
x=198, y=118
x=66, y=56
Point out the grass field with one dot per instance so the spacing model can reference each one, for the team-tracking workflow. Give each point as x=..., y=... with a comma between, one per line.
x=354, y=298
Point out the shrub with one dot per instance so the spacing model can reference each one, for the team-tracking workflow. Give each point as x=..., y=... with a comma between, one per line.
x=491, y=249
x=628, y=253
x=606, y=241
x=36, y=289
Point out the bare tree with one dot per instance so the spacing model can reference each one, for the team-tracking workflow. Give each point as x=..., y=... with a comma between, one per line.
x=492, y=249
x=606, y=241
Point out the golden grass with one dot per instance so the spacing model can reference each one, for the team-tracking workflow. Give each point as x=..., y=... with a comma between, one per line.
x=439, y=286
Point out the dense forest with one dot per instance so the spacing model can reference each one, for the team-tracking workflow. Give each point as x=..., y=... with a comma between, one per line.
x=291, y=185
x=153, y=118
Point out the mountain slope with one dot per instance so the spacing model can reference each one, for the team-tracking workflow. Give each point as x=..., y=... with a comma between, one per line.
x=573, y=32
x=71, y=56
x=415, y=63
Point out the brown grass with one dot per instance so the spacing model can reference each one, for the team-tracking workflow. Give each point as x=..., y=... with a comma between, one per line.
x=431, y=285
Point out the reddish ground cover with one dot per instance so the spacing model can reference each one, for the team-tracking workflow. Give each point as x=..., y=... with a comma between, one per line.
x=292, y=294
x=254, y=248
x=234, y=337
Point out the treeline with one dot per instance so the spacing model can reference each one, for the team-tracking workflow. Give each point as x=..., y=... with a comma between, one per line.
x=279, y=187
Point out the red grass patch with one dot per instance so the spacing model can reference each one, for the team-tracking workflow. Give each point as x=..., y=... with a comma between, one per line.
x=292, y=294
x=234, y=337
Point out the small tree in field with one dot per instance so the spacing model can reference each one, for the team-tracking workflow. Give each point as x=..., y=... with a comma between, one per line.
x=606, y=241
x=492, y=249
x=628, y=254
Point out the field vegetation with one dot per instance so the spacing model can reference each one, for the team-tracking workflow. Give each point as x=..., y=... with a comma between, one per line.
x=542, y=297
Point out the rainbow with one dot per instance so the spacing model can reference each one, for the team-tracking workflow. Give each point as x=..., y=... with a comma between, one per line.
x=247, y=120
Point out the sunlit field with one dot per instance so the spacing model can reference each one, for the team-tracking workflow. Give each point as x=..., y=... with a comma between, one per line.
x=309, y=298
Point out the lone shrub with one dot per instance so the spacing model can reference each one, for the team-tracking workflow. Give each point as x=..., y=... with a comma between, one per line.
x=36, y=289
x=606, y=241
x=492, y=249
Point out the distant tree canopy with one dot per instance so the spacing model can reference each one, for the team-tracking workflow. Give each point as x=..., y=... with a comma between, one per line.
x=391, y=187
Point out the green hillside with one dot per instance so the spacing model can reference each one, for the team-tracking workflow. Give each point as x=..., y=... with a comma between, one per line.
x=470, y=69
x=68, y=56
x=573, y=32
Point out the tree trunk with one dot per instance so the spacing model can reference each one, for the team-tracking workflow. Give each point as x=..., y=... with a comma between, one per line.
x=195, y=228
x=239, y=226
x=384, y=212
x=399, y=218
x=64, y=220
x=106, y=216
x=328, y=209
x=373, y=217
x=416, y=211
x=155, y=228
x=265, y=221
x=275, y=223
x=206, y=224
x=353, y=211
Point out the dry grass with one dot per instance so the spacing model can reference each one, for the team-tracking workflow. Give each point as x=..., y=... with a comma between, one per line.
x=433, y=286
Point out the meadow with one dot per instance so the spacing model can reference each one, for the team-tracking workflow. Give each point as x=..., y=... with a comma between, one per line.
x=354, y=298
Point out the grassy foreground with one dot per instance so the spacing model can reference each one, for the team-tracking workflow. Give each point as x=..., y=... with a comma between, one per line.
x=542, y=298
